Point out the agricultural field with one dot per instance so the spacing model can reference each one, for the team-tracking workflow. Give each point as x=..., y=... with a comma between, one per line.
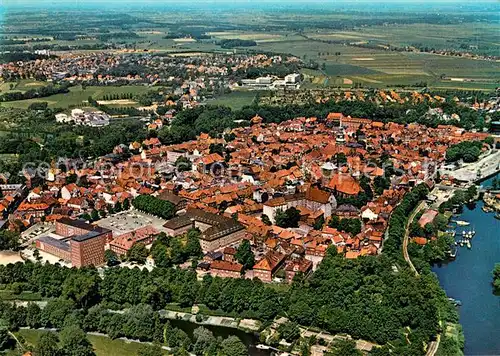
x=380, y=68
x=103, y=346
x=78, y=96
x=475, y=37
x=332, y=37
x=259, y=37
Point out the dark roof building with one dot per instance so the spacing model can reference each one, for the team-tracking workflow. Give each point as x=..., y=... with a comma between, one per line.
x=217, y=231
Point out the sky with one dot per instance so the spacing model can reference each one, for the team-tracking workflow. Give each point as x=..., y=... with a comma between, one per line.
x=353, y=5
x=221, y=2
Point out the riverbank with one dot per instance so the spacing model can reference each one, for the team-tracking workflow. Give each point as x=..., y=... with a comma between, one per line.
x=249, y=325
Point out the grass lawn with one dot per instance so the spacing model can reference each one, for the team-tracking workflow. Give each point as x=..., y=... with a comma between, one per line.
x=22, y=85
x=27, y=296
x=77, y=96
x=103, y=346
x=235, y=100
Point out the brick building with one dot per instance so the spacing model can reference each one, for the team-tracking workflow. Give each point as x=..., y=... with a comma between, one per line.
x=268, y=266
x=81, y=244
x=217, y=231
x=122, y=243
x=88, y=249
x=226, y=269
x=69, y=227
x=292, y=267
x=58, y=248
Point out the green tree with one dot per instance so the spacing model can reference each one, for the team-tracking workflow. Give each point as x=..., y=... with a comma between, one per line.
x=496, y=278
x=138, y=253
x=126, y=204
x=334, y=221
x=440, y=222
x=94, y=215
x=193, y=247
x=55, y=312
x=232, y=346
x=288, y=218
x=344, y=348
x=204, y=342
x=82, y=288
x=110, y=257
x=244, y=255
x=6, y=340
x=47, y=345
x=183, y=164
x=9, y=240
x=289, y=331
x=74, y=342
x=265, y=219
x=33, y=315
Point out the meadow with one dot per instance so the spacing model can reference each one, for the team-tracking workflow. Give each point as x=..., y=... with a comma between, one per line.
x=103, y=346
x=235, y=100
x=78, y=96
x=475, y=37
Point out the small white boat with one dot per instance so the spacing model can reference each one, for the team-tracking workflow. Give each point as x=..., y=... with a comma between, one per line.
x=262, y=347
x=469, y=246
x=462, y=223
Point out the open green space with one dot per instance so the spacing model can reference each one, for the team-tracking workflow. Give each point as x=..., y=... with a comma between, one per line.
x=25, y=295
x=473, y=37
x=103, y=346
x=235, y=100
x=78, y=95
x=380, y=68
x=21, y=85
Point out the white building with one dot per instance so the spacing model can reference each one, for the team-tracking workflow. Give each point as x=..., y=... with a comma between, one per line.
x=63, y=118
x=313, y=199
x=89, y=118
x=292, y=78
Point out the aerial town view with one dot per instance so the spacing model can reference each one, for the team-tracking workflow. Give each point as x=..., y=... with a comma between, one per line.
x=231, y=178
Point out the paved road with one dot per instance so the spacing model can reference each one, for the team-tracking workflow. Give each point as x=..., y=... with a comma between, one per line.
x=433, y=345
x=407, y=236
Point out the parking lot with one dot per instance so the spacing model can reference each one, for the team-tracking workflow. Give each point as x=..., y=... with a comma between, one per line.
x=131, y=220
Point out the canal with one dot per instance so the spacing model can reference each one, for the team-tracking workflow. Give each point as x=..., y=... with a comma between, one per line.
x=468, y=278
x=249, y=339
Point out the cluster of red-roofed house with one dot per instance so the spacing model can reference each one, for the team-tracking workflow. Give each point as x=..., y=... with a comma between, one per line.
x=321, y=167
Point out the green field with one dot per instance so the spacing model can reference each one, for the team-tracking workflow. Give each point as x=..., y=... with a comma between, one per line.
x=379, y=68
x=103, y=346
x=26, y=295
x=352, y=47
x=78, y=96
x=481, y=37
x=235, y=100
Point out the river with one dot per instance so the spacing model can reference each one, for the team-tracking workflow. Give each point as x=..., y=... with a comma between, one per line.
x=249, y=339
x=468, y=278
